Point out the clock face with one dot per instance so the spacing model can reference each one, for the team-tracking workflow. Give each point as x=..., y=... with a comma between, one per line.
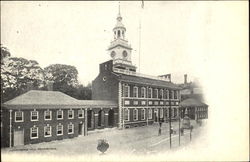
x=113, y=54
x=124, y=53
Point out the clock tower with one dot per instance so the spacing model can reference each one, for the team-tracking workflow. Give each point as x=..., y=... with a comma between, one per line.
x=119, y=49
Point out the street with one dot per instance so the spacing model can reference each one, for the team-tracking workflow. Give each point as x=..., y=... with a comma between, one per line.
x=139, y=140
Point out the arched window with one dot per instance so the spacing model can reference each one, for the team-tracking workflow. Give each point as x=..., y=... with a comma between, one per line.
x=126, y=91
x=119, y=33
x=161, y=113
x=167, y=94
x=126, y=114
x=143, y=92
x=135, y=91
x=150, y=116
x=150, y=93
x=161, y=94
x=155, y=93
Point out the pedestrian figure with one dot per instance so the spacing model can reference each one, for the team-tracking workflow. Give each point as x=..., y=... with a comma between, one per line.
x=159, y=132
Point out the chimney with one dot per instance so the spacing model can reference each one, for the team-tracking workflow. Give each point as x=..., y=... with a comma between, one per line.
x=185, y=79
x=50, y=85
x=30, y=86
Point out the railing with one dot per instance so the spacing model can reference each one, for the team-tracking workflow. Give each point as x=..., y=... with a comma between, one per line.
x=120, y=61
x=139, y=74
x=119, y=41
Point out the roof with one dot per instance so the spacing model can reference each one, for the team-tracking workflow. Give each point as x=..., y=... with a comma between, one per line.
x=190, y=102
x=52, y=99
x=149, y=81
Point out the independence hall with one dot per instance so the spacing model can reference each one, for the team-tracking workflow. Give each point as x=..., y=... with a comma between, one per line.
x=121, y=98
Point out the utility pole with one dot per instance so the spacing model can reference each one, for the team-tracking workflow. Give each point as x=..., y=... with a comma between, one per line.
x=170, y=131
x=179, y=125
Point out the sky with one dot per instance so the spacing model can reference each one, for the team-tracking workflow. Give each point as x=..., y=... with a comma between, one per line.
x=78, y=34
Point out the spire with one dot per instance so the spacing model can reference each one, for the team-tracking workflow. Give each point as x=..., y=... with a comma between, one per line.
x=119, y=17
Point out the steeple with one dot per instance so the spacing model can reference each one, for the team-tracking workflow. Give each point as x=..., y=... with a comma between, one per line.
x=119, y=49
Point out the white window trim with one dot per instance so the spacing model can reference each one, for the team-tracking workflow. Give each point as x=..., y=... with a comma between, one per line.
x=135, y=115
x=57, y=115
x=72, y=128
x=82, y=113
x=50, y=115
x=50, y=131
x=22, y=116
x=31, y=116
x=143, y=114
x=128, y=114
x=135, y=90
x=167, y=93
x=57, y=129
x=72, y=114
x=31, y=132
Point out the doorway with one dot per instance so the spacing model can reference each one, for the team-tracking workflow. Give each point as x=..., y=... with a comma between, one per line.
x=18, y=137
x=111, y=118
x=89, y=118
x=81, y=129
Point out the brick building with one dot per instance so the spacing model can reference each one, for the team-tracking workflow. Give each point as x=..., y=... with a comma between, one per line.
x=42, y=116
x=141, y=99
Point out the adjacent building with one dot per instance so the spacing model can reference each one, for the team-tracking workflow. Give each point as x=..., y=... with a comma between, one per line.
x=42, y=116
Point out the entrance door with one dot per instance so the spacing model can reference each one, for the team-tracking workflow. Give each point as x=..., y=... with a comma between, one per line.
x=18, y=137
x=111, y=118
x=81, y=128
x=89, y=118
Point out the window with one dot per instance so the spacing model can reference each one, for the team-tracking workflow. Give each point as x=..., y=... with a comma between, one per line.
x=47, y=131
x=161, y=113
x=150, y=116
x=59, y=114
x=143, y=114
x=70, y=128
x=81, y=113
x=126, y=114
x=172, y=94
x=143, y=92
x=18, y=116
x=70, y=114
x=34, y=115
x=167, y=94
x=135, y=92
x=59, y=129
x=47, y=115
x=161, y=94
x=34, y=132
x=126, y=91
x=176, y=95
x=155, y=93
x=135, y=114
x=150, y=93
